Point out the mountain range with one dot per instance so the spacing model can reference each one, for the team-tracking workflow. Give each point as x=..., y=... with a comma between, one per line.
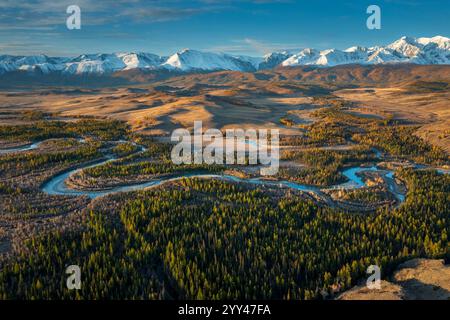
x=435, y=50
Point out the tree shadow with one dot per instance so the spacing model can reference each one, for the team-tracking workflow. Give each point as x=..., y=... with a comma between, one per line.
x=418, y=290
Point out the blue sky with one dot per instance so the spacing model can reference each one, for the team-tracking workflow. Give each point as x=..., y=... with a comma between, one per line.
x=251, y=27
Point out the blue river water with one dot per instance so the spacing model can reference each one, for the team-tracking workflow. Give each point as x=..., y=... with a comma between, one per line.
x=57, y=184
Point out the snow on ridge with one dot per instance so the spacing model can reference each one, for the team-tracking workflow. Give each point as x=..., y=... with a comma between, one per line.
x=433, y=50
x=187, y=60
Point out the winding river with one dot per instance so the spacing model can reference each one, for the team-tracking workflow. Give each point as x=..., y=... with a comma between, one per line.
x=57, y=184
x=27, y=147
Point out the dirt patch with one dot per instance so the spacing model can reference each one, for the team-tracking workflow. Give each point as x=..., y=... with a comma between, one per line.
x=417, y=279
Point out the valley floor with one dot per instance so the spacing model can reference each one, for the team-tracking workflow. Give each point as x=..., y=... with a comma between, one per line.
x=362, y=181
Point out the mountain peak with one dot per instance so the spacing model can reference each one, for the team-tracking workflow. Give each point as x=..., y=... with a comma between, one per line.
x=433, y=50
x=407, y=39
x=440, y=41
x=355, y=49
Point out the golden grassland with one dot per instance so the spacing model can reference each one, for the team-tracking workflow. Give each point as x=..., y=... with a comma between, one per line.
x=283, y=99
x=431, y=110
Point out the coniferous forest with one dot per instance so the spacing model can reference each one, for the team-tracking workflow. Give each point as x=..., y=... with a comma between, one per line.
x=250, y=154
x=212, y=238
x=209, y=239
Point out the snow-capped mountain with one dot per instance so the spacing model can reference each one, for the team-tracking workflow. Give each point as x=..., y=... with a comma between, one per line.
x=188, y=60
x=274, y=59
x=43, y=63
x=107, y=63
x=435, y=50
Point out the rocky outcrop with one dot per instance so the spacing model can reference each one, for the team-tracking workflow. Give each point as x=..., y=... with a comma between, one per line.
x=417, y=279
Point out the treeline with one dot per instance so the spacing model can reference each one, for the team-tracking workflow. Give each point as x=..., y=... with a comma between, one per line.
x=41, y=130
x=366, y=195
x=209, y=239
x=322, y=166
x=113, y=169
x=314, y=176
x=336, y=126
x=124, y=149
x=401, y=141
x=322, y=157
x=155, y=160
x=22, y=163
